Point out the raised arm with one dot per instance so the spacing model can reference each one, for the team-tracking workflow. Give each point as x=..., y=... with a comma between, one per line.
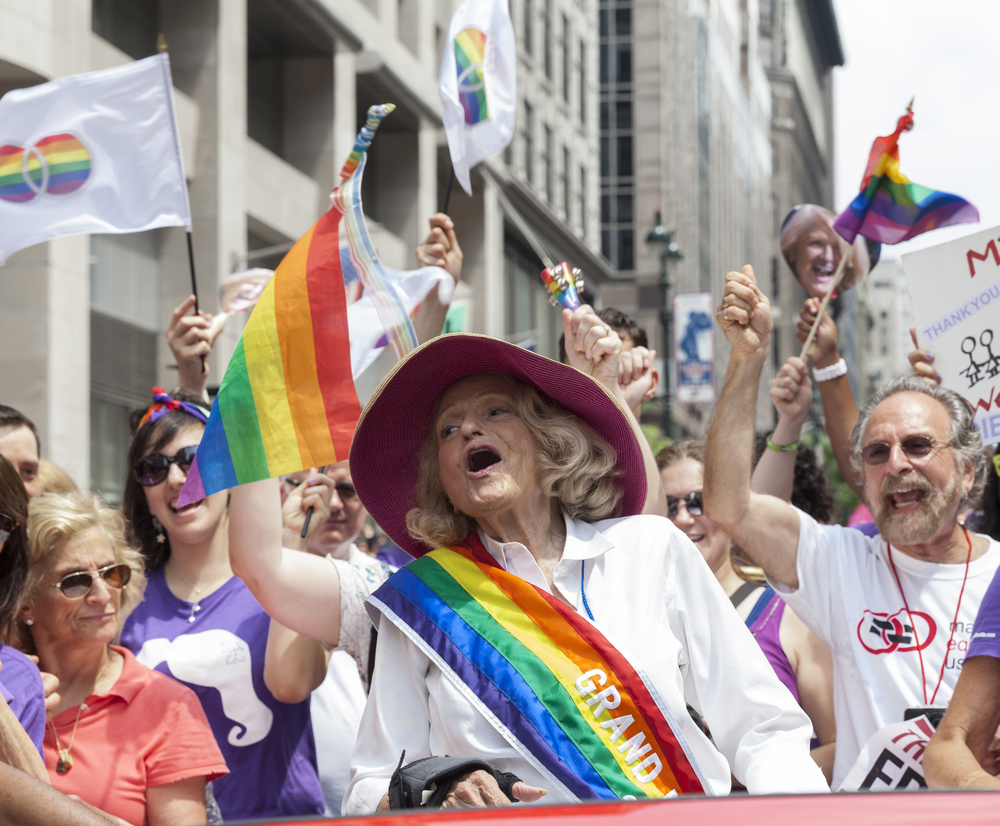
x=299, y=590
x=962, y=754
x=190, y=338
x=439, y=249
x=791, y=392
x=839, y=408
x=595, y=349
x=766, y=527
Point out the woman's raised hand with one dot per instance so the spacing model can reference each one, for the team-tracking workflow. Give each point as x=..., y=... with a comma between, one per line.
x=791, y=390
x=592, y=347
x=315, y=492
x=190, y=338
x=745, y=313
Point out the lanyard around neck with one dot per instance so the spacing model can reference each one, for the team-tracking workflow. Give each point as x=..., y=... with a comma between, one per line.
x=913, y=625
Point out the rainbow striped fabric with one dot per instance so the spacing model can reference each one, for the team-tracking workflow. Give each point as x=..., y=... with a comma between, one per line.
x=287, y=400
x=470, y=50
x=890, y=208
x=553, y=684
x=58, y=164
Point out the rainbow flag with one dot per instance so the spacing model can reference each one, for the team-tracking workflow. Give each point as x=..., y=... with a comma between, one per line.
x=470, y=54
x=890, y=208
x=287, y=400
x=545, y=677
x=58, y=164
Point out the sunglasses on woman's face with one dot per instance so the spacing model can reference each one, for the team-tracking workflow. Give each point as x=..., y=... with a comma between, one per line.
x=78, y=584
x=7, y=527
x=693, y=502
x=152, y=469
x=915, y=447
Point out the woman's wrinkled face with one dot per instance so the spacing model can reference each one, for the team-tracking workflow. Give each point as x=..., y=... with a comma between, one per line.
x=88, y=620
x=197, y=521
x=487, y=456
x=680, y=479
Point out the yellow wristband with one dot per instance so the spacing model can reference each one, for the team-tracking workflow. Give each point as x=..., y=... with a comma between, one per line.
x=781, y=448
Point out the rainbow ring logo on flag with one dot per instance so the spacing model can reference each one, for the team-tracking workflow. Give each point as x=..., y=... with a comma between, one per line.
x=470, y=49
x=55, y=165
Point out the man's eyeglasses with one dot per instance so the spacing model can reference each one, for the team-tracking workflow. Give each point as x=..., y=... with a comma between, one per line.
x=7, y=527
x=915, y=447
x=78, y=584
x=693, y=502
x=152, y=469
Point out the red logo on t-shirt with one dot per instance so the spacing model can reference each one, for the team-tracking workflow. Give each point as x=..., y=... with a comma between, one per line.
x=881, y=633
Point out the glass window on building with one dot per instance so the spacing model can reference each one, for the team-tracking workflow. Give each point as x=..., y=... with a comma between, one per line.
x=583, y=199
x=582, y=69
x=547, y=160
x=130, y=25
x=528, y=141
x=547, y=37
x=530, y=322
x=567, y=59
x=528, y=26
x=567, y=204
x=617, y=135
x=124, y=329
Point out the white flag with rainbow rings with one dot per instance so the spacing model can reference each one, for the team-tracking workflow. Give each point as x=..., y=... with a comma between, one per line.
x=93, y=153
x=478, y=84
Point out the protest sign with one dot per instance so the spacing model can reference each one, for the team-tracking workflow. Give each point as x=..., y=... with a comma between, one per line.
x=694, y=348
x=955, y=293
x=892, y=758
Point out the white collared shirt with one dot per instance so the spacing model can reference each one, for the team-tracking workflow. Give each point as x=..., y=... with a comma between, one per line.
x=655, y=599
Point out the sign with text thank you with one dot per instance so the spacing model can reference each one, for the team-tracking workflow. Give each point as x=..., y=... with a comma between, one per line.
x=955, y=292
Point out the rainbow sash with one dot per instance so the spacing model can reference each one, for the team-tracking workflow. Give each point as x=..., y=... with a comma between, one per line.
x=548, y=680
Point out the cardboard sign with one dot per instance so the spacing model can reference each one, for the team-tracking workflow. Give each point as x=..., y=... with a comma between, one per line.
x=892, y=758
x=955, y=292
x=694, y=348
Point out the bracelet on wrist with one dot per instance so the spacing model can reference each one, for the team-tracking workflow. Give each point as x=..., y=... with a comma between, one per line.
x=781, y=448
x=834, y=371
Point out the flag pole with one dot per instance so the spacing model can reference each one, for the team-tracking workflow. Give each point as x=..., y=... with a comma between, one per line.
x=447, y=190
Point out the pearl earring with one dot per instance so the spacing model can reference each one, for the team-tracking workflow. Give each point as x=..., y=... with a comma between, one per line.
x=29, y=621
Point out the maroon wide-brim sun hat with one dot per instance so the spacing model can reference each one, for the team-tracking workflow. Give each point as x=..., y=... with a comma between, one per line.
x=385, y=454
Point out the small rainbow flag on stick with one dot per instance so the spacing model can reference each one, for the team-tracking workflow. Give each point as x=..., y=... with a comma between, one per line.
x=287, y=401
x=890, y=208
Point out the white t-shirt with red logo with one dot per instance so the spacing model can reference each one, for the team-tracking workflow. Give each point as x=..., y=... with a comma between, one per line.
x=848, y=596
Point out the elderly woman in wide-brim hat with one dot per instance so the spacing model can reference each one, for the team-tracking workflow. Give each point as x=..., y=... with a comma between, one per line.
x=552, y=640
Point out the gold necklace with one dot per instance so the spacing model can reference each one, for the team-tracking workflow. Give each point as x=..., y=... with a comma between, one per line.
x=65, y=758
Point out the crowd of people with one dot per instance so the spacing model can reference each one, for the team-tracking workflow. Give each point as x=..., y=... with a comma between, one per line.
x=558, y=613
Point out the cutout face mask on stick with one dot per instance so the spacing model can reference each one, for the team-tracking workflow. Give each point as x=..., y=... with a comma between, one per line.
x=813, y=249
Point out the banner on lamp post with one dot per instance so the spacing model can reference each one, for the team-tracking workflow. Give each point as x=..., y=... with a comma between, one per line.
x=694, y=348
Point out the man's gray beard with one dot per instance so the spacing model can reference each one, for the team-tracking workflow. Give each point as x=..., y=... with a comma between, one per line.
x=923, y=524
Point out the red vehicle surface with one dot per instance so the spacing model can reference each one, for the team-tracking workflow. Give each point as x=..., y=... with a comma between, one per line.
x=921, y=808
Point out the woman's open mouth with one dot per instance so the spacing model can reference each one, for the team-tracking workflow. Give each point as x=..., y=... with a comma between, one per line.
x=481, y=459
x=189, y=507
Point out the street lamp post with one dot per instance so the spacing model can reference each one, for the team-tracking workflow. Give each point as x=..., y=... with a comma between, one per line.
x=661, y=240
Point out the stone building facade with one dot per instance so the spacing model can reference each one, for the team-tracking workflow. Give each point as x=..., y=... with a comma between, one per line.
x=270, y=95
x=720, y=114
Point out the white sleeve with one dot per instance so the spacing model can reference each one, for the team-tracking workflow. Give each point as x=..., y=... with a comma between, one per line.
x=755, y=721
x=355, y=627
x=817, y=573
x=395, y=718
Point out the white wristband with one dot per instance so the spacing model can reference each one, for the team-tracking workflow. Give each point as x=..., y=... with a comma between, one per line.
x=834, y=371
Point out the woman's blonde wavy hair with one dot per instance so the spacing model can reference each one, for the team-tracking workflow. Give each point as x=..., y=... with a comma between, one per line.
x=53, y=520
x=577, y=469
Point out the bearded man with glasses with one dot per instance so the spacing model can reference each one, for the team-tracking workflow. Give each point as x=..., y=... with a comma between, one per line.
x=897, y=610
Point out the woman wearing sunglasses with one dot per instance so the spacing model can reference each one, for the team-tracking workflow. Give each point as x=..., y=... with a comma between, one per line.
x=127, y=740
x=799, y=658
x=201, y=625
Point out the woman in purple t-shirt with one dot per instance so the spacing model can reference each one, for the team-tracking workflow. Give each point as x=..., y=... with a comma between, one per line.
x=201, y=625
x=20, y=679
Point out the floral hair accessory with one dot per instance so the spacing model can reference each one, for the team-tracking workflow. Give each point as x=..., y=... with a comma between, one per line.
x=163, y=404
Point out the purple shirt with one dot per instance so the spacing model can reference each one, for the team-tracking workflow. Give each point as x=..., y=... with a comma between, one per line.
x=268, y=745
x=21, y=686
x=985, y=640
